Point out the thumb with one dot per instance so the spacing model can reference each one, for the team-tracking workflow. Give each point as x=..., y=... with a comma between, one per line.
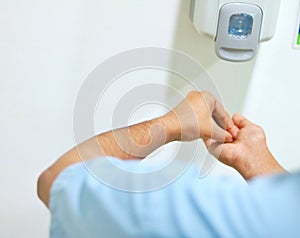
x=222, y=152
x=240, y=121
x=220, y=134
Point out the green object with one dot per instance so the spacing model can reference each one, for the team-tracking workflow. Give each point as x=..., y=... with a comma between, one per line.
x=298, y=41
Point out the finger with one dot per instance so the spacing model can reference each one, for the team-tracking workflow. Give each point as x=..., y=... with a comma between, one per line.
x=222, y=152
x=240, y=121
x=220, y=134
x=234, y=131
x=222, y=117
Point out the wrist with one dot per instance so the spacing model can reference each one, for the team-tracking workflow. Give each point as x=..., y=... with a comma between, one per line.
x=172, y=127
x=268, y=165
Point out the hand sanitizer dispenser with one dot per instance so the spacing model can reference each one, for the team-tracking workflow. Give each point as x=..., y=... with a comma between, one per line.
x=237, y=26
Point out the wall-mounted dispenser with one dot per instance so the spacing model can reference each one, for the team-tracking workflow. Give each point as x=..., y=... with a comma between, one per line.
x=237, y=26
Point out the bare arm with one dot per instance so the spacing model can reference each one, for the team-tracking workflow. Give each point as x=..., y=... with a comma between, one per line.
x=199, y=115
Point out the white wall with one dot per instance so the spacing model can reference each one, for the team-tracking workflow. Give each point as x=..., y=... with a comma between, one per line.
x=47, y=48
x=273, y=95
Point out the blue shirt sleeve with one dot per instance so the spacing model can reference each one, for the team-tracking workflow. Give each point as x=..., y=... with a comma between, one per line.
x=81, y=206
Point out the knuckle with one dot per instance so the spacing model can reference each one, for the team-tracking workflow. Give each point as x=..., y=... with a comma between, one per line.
x=260, y=133
x=260, y=130
x=209, y=98
x=192, y=94
x=206, y=93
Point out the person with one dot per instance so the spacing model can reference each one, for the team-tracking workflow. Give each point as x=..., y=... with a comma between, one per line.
x=268, y=205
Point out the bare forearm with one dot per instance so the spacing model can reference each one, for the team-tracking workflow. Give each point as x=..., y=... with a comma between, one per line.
x=134, y=142
x=199, y=115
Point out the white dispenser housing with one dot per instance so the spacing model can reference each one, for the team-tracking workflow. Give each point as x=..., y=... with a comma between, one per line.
x=236, y=26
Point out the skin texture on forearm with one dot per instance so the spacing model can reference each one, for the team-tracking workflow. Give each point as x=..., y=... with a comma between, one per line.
x=134, y=142
x=199, y=115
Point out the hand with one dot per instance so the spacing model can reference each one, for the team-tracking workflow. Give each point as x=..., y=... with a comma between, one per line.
x=248, y=153
x=200, y=115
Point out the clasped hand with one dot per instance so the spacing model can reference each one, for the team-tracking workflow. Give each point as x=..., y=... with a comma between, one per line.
x=235, y=141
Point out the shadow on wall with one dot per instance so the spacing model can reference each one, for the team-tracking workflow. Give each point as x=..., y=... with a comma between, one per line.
x=232, y=79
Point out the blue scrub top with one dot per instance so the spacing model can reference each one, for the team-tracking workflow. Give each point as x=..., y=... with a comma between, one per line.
x=81, y=206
